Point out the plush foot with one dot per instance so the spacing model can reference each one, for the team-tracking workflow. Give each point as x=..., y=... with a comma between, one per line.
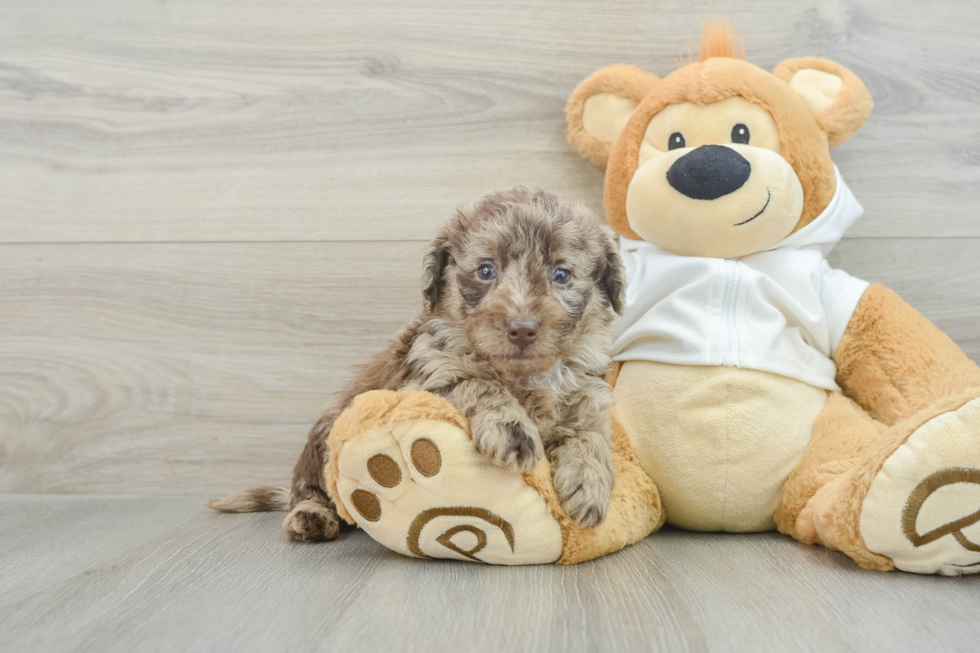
x=416, y=484
x=923, y=507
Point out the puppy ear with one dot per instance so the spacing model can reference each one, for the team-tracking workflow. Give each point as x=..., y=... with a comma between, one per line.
x=838, y=98
x=600, y=107
x=434, y=267
x=612, y=281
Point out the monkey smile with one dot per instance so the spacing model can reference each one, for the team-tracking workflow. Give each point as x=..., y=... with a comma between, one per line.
x=761, y=211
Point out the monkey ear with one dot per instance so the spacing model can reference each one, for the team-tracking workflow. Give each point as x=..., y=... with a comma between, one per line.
x=613, y=278
x=600, y=107
x=838, y=98
x=434, y=267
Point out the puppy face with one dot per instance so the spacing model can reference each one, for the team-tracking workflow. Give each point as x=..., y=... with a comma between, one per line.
x=529, y=279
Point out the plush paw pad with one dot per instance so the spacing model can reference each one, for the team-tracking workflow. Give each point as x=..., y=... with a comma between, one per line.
x=923, y=508
x=420, y=488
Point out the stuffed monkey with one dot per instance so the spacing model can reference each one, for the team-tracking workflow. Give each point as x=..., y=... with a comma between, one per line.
x=756, y=387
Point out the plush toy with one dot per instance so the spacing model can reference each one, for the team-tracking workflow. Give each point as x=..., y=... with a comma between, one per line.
x=403, y=467
x=756, y=388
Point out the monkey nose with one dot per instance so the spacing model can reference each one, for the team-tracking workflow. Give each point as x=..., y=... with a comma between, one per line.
x=709, y=172
x=522, y=332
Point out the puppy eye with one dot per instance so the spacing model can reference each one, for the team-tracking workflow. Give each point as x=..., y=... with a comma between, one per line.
x=675, y=141
x=740, y=134
x=486, y=272
x=561, y=276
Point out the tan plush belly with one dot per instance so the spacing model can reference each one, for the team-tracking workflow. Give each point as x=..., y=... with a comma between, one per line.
x=718, y=441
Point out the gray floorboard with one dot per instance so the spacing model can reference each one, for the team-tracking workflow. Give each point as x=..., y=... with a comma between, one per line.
x=106, y=574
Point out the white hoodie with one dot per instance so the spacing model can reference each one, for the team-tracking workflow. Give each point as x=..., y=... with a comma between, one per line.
x=782, y=310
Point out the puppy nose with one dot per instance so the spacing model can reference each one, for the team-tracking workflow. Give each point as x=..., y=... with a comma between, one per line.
x=709, y=172
x=522, y=332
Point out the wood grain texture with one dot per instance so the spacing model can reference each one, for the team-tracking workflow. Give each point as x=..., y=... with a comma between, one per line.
x=187, y=368
x=175, y=368
x=163, y=574
x=186, y=121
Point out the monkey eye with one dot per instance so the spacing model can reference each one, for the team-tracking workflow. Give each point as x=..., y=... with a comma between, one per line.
x=740, y=134
x=561, y=276
x=486, y=272
x=675, y=141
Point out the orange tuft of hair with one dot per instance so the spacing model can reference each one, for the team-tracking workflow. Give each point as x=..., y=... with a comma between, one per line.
x=719, y=38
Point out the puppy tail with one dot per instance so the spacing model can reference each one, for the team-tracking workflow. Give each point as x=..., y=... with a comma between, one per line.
x=258, y=499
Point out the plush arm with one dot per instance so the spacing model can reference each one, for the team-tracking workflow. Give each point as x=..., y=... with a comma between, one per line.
x=894, y=362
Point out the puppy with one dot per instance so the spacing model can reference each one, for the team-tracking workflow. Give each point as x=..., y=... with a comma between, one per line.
x=520, y=293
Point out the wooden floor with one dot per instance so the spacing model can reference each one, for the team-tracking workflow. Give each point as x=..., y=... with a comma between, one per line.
x=209, y=210
x=107, y=574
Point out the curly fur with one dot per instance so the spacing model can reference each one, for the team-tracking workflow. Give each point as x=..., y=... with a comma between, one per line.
x=522, y=401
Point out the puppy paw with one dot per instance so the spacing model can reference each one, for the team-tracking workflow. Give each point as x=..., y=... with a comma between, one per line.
x=584, y=489
x=512, y=445
x=310, y=521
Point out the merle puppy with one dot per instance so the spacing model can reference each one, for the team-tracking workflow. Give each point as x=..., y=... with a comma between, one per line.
x=520, y=293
